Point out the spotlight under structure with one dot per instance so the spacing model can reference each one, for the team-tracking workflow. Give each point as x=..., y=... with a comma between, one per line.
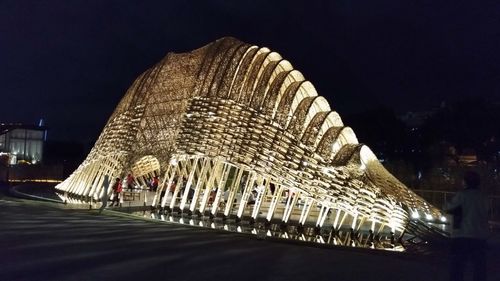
x=233, y=130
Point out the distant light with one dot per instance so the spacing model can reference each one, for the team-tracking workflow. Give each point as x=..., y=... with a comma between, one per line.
x=415, y=215
x=428, y=217
x=443, y=218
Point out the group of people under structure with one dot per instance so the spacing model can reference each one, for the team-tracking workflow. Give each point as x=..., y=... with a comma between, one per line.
x=152, y=183
x=130, y=183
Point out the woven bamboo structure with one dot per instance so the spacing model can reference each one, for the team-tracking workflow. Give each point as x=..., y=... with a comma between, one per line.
x=231, y=123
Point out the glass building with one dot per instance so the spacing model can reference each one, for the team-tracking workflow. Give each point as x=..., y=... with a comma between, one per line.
x=22, y=142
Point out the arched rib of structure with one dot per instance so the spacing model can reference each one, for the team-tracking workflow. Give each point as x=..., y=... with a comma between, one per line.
x=230, y=121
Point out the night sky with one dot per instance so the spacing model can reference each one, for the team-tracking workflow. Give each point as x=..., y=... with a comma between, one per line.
x=70, y=62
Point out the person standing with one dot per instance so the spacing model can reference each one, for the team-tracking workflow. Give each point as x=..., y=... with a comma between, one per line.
x=104, y=198
x=117, y=190
x=470, y=229
x=130, y=182
x=154, y=183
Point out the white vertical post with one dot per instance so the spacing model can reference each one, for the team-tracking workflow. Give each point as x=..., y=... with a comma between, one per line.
x=220, y=188
x=305, y=210
x=210, y=183
x=325, y=214
x=336, y=221
x=161, y=187
x=176, y=191
x=320, y=215
x=194, y=167
x=232, y=192
x=260, y=197
x=354, y=218
x=274, y=202
x=289, y=209
x=169, y=184
x=246, y=193
x=199, y=183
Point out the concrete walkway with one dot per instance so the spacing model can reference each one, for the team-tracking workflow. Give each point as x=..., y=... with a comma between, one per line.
x=44, y=241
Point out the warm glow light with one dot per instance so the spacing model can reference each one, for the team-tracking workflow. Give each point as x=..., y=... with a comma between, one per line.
x=36, y=180
x=243, y=135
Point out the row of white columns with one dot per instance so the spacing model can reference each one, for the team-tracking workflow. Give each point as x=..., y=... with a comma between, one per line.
x=197, y=179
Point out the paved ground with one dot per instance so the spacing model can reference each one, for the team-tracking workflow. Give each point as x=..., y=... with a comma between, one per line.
x=44, y=241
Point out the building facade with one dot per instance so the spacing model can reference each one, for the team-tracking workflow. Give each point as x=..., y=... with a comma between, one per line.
x=22, y=142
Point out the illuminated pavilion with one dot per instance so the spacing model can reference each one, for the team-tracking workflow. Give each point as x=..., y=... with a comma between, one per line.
x=234, y=131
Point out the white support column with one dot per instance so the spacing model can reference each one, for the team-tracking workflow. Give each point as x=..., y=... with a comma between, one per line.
x=360, y=223
x=274, y=202
x=89, y=180
x=99, y=192
x=220, y=188
x=232, y=192
x=382, y=226
x=210, y=184
x=161, y=187
x=182, y=168
x=199, y=183
x=305, y=211
x=177, y=189
x=354, y=218
x=93, y=177
x=80, y=182
x=343, y=219
x=246, y=193
x=175, y=172
x=325, y=215
x=260, y=198
x=171, y=178
x=320, y=215
x=336, y=221
x=289, y=209
x=73, y=183
x=194, y=167
x=95, y=183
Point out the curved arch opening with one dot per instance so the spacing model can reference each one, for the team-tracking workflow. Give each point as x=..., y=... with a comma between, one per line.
x=145, y=169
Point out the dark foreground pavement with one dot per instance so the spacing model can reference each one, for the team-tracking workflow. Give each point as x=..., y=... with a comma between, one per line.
x=44, y=241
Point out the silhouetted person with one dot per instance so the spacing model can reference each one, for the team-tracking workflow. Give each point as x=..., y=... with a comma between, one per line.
x=104, y=198
x=470, y=229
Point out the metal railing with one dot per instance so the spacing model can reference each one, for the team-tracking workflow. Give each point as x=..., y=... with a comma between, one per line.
x=439, y=198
